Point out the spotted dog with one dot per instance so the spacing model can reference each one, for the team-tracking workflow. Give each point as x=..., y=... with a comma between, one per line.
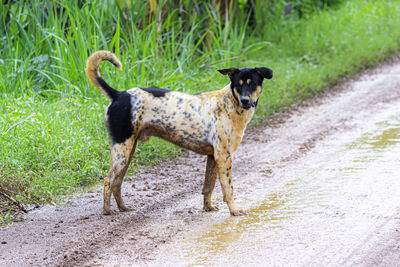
x=209, y=123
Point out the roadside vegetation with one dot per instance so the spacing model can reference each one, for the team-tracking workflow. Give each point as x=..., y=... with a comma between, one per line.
x=52, y=136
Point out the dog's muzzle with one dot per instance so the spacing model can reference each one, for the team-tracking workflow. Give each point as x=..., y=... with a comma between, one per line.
x=246, y=103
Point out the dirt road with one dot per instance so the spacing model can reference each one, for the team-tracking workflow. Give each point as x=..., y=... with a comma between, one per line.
x=321, y=186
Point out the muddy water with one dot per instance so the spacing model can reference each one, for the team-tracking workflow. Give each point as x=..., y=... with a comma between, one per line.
x=331, y=206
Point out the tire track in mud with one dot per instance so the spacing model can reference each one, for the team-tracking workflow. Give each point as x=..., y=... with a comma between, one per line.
x=167, y=198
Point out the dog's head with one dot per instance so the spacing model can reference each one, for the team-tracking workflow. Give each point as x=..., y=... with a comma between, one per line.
x=246, y=84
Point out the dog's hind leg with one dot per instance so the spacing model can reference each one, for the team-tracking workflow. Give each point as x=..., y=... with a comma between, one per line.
x=121, y=155
x=209, y=183
x=116, y=188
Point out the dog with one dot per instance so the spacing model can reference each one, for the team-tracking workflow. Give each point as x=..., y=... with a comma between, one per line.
x=209, y=123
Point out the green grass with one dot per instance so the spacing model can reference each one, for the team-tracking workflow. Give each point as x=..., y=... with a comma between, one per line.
x=58, y=146
x=52, y=134
x=313, y=54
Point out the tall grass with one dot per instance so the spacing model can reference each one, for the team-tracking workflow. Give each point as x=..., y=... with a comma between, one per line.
x=45, y=49
x=52, y=135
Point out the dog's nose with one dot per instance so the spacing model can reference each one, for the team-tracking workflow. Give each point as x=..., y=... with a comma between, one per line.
x=245, y=100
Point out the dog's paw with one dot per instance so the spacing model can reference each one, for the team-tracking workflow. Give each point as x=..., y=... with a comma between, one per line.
x=125, y=208
x=109, y=212
x=210, y=208
x=238, y=212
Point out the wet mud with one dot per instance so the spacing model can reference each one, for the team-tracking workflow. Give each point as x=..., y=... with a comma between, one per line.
x=320, y=184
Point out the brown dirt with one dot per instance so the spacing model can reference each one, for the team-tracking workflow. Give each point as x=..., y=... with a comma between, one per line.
x=167, y=198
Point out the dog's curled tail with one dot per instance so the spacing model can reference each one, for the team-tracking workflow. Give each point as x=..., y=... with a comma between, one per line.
x=92, y=71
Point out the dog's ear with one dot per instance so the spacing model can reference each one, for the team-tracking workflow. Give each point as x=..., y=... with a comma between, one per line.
x=266, y=73
x=229, y=71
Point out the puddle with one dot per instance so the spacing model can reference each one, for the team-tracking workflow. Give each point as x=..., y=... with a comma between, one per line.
x=386, y=136
x=260, y=220
x=370, y=145
x=331, y=199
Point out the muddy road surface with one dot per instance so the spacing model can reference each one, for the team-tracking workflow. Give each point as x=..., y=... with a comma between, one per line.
x=321, y=185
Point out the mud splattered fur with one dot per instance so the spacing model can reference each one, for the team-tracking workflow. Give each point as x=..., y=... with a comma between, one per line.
x=209, y=123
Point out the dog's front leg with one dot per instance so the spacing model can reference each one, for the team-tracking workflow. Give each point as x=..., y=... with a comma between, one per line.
x=209, y=183
x=224, y=163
